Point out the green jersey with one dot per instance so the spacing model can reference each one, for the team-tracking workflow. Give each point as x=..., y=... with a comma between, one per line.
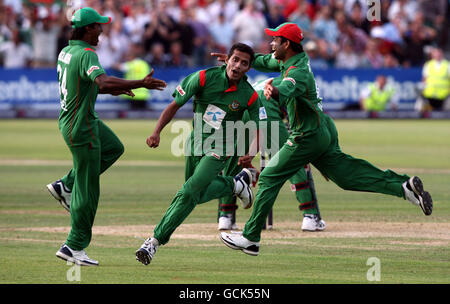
x=297, y=90
x=269, y=109
x=77, y=68
x=217, y=107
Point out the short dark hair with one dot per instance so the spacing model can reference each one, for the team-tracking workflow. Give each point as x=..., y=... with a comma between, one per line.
x=242, y=47
x=296, y=47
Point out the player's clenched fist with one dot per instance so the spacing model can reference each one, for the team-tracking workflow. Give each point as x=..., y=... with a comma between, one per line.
x=153, y=141
x=154, y=83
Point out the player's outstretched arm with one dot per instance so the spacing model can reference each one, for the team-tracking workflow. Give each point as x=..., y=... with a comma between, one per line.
x=166, y=116
x=222, y=57
x=111, y=85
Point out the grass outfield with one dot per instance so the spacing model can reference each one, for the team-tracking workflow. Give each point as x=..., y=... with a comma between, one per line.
x=137, y=190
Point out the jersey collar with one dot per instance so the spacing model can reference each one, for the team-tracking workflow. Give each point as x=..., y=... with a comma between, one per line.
x=81, y=43
x=293, y=60
x=231, y=88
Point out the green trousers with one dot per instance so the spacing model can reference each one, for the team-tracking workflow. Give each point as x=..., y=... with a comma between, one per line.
x=299, y=181
x=321, y=149
x=203, y=183
x=89, y=161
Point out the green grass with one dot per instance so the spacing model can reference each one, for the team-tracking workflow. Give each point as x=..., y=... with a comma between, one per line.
x=137, y=190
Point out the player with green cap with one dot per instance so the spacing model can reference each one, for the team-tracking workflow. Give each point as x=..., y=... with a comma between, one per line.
x=314, y=140
x=93, y=145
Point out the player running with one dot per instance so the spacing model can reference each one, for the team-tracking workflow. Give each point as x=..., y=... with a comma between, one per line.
x=314, y=140
x=221, y=96
x=302, y=183
x=93, y=145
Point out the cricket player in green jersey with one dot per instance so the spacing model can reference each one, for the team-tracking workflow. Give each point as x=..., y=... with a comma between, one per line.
x=93, y=145
x=314, y=140
x=221, y=96
x=302, y=183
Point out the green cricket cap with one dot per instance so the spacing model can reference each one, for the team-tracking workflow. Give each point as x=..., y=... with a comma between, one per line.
x=87, y=15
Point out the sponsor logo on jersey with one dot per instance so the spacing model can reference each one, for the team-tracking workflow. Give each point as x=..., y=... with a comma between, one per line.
x=213, y=116
x=262, y=113
x=92, y=69
x=234, y=106
x=180, y=90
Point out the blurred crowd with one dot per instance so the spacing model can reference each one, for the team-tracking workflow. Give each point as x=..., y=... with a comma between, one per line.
x=182, y=33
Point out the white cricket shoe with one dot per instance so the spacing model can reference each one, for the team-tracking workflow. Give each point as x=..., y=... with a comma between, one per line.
x=312, y=222
x=60, y=192
x=242, y=188
x=78, y=257
x=414, y=192
x=238, y=242
x=226, y=222
x=147, y=251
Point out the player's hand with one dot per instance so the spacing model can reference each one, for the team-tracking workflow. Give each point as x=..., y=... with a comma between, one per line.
x=268, y=89
x=123, y=92
x=153, y=141
x=220, y=56
x=245, y=161
x=154, y=83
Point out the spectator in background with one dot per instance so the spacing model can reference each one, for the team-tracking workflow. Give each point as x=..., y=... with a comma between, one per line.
x=249, y=25
x=227, y=8
x=347, y=58
x=348, y=34
x=176, y=58
x=173, y=10
x=16, y=53
x=301, y=18
x=222, y=33
x=436, y=80
x=274, y=15
x=160, y=29
x=435, y=16
x=106, y=50
x=407, y=9
x=202, y=39
x=325, y=27
x=389, y=61
x=157, y=57
x=416, y=38
x=358, y=18
x=372, y=58
x=135, y=68
x=44, y=35
x=315, y=61
x=187, y=34
x=134, y=23
x=378, y=96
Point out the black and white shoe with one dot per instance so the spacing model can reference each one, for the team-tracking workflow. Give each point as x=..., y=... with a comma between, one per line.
x=147, y=251
x=238, y=242
x=243, y=189
x=414, y=192
x=78, y=257
x=226, y=222
x=312, y=222
x=60, y=192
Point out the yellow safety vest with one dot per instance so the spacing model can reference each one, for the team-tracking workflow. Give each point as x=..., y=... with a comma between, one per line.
x=437, y=82
x=137, y=69
x=378, y=99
